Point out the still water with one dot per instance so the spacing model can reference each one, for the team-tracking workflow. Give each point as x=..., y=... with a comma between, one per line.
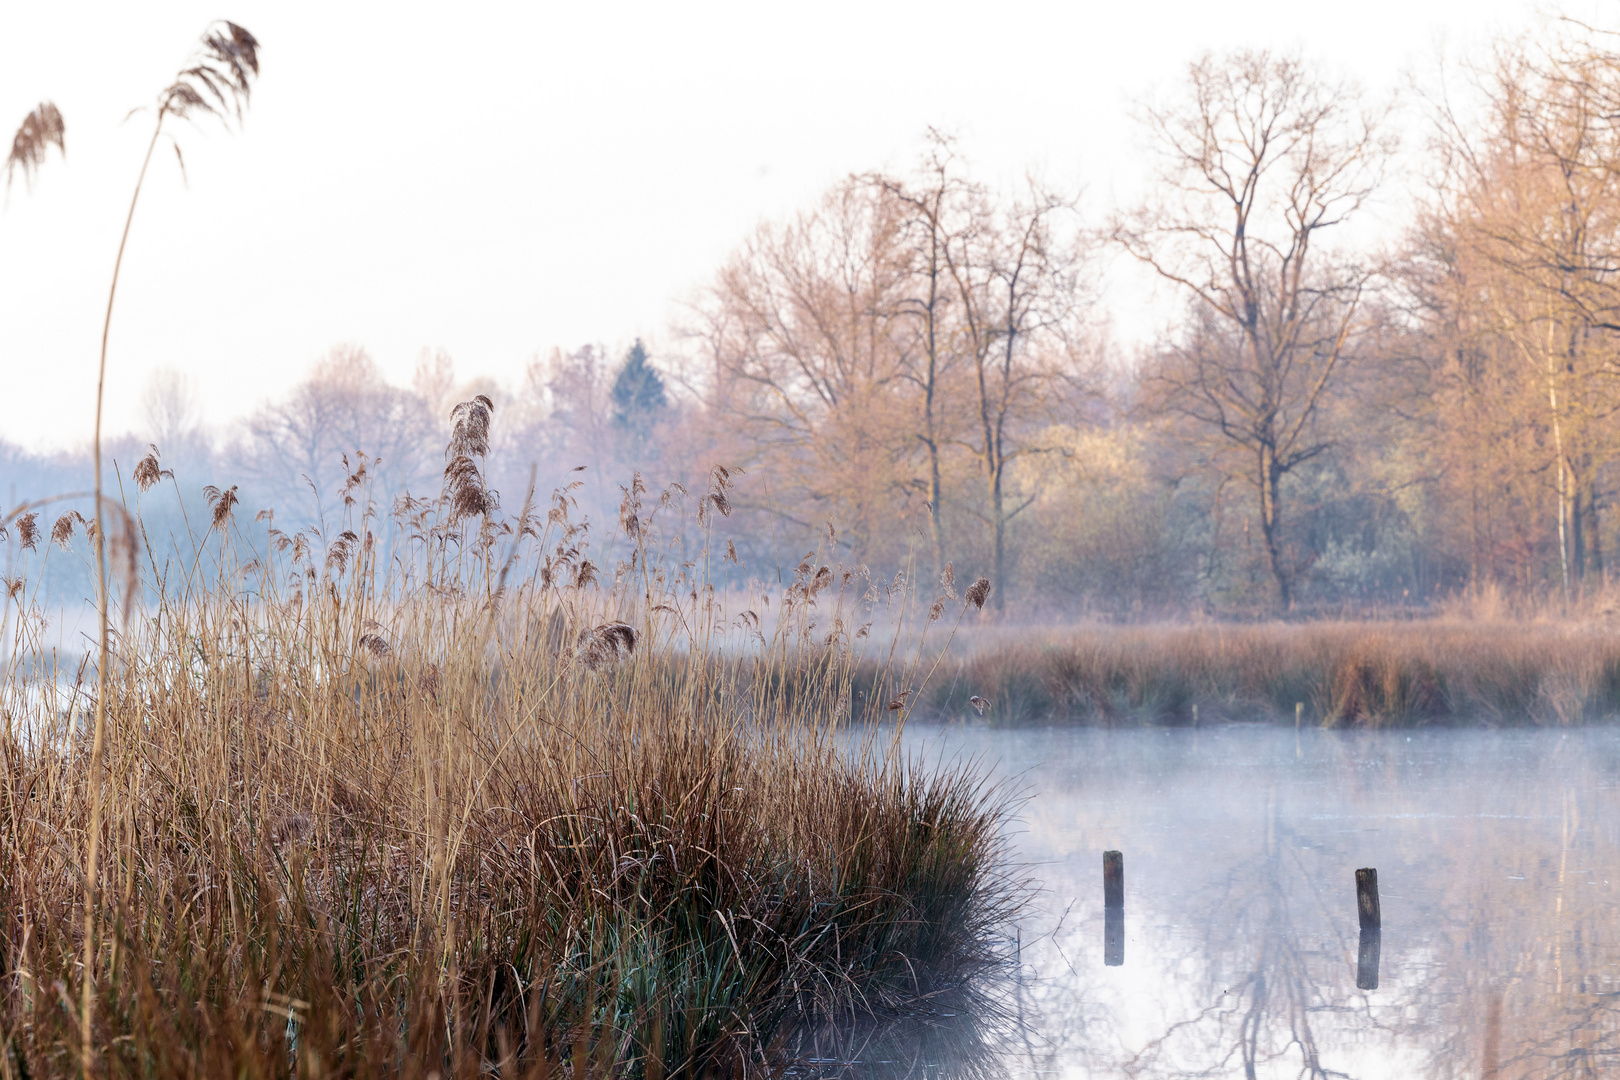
x=1498, y=857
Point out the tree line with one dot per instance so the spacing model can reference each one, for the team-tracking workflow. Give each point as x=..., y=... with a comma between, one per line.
x=916, y=373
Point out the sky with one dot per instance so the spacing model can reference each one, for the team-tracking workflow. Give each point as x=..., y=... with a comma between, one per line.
x=496, y=180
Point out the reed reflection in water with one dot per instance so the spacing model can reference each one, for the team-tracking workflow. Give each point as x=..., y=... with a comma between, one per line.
x=1498, y=857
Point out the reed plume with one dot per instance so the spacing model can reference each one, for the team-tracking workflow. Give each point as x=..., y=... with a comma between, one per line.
x=221, y=503
x=218, y=81
x=62, y=531
x=39, y=131
x=720, y=480
x=465, y=491
x=375, y=644
x=464, y=487
x=978, y=592
x=28, y=531
x=605, y=645
x=469, y=428
x=148, y=472
x=341, y=553
x=630, y=507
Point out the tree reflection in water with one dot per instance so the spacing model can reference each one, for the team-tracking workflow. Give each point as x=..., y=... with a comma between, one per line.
x=1499, y=856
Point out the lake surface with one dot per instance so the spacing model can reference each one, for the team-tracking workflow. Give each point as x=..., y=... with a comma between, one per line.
x=1498, y=857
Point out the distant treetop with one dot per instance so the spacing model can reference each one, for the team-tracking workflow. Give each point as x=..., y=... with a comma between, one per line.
x=638, y=392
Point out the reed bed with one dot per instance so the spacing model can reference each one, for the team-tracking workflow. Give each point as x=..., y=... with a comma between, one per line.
x=429, y=793
x=1334, y=674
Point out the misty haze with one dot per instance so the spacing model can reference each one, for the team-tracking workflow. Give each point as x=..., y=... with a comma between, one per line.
x=1122, y=591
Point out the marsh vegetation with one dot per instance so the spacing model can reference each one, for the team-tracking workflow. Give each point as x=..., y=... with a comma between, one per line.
x=431, y=793
x=1458, y=670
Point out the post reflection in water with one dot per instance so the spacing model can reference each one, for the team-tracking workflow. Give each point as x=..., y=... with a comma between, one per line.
x=1367, y=959
x=1113, y=936
x=1113, y=908
x=1499, y=854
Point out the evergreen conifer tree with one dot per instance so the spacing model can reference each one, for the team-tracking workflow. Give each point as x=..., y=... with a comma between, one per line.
x=638, y=392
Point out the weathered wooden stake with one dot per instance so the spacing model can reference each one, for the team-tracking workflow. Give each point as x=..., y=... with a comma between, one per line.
x=1367, y=898
x=1195, y=716
x=1113, y=879
x=1299, y=707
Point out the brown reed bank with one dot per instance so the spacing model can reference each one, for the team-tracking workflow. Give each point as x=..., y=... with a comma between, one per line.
x=1338, y=674
x=429, y=793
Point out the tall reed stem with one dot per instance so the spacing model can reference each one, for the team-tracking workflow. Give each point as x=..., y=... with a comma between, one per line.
x=93, y=841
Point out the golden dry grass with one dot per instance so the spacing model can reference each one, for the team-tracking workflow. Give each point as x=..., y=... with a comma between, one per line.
x=1499, y=673
x=422, y=796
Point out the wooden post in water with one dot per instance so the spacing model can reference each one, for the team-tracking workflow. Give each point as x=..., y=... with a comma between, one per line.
x=1367, y=899
x=1299, y=707
x=1113, y=909
x=1371, y=927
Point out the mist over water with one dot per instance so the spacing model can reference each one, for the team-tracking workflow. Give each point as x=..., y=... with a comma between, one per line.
x=1498, y=855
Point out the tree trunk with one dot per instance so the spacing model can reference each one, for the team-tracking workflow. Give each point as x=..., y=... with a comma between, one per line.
x=935, y=524
x=1563, y=478
x=999, y=518
x=1594, y=536
x=1577, y=538
x=1270, y=525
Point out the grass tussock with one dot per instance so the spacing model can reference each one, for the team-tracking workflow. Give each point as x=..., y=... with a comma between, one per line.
x=429, y=793
x=1337, y=674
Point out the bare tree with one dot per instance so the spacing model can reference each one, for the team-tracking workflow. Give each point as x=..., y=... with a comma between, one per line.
x=576, y=387
x=1528, y=205
x=1552, y=135
x=169, y=408
x=296, y=446
x=1017, y=285
x=936, y=208
x=1260, y=162
x=807, y=346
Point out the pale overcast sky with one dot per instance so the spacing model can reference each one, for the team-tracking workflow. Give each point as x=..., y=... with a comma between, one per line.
x=498, y=179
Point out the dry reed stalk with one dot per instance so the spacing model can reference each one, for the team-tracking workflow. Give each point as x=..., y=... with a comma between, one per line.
x=218, y=82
